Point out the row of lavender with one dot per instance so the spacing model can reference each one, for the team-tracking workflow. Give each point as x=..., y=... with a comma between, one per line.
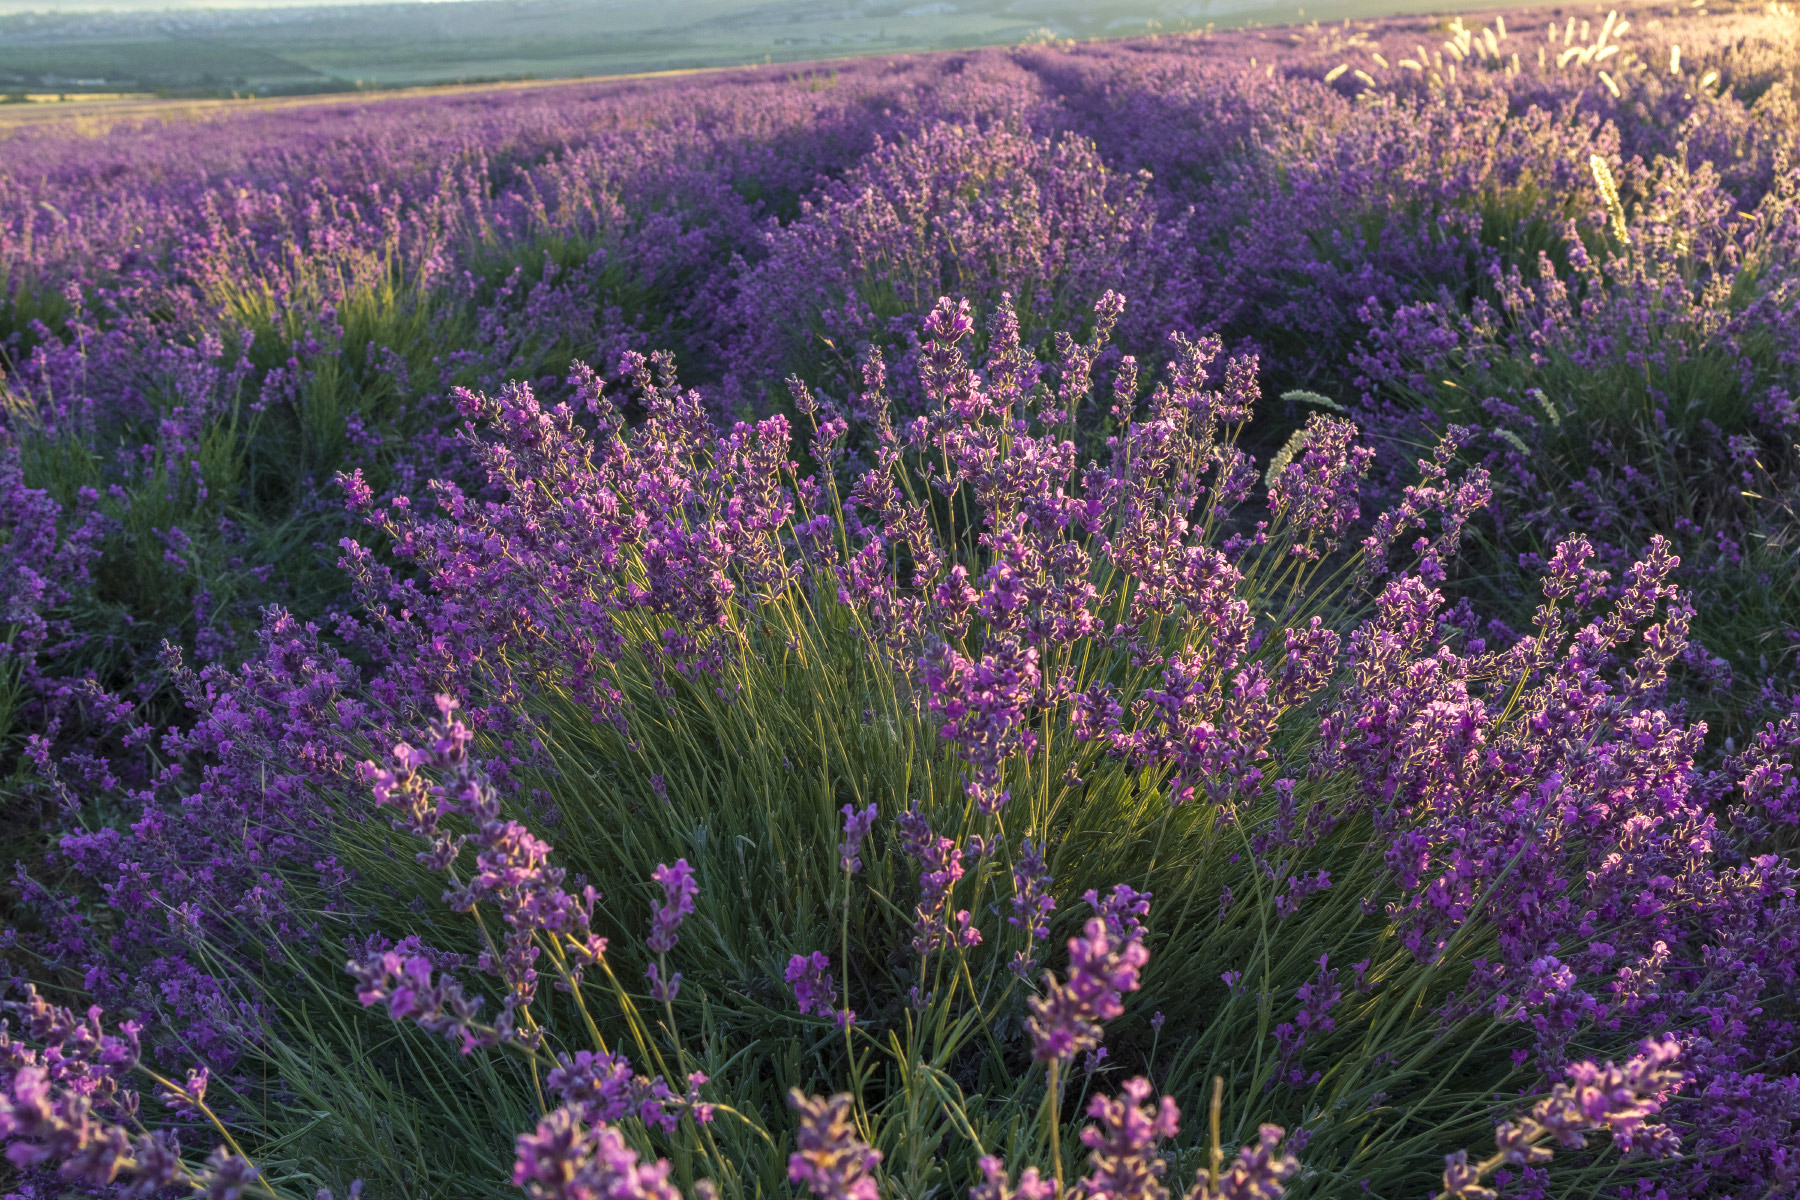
x=1382, y=241
x=1037, y=629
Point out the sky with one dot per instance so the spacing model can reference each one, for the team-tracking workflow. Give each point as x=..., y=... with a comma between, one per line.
x=88, y=6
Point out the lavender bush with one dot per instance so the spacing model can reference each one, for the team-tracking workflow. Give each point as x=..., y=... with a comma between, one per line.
x=1303, y=633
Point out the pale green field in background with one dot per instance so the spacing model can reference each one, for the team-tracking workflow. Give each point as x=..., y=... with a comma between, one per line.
x=145, y=46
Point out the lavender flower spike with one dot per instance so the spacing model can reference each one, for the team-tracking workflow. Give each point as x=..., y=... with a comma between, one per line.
x=1122, y=1162
x=810, y=977
x=832, y=1161
x=1260, y=1172
x=566, y=1159
x=679, y=890
x=856, y=828
x=1066, y=1020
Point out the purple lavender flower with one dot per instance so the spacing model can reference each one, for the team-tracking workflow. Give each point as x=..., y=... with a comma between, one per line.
x=1298, y=889
x=1123, y=909
x=830, y=1159
x=227, y=1175
x=598, y=1087
x=662, y=990
x=983, y=704
x=1123, y=1163
x=679, y=890
x=1618, y=1099
x=1316, y=488
x=411, y=990
x=1451, y=503
x=1318, y=998
x=156, y=1159
x=189, y=1097
x=511, y=869
x=940, y=867
x=995, y=1186
x=856, y=828
x=1066, y=1020
x=63, y=1106
x=810, y=977
x=1260, y=1172
x=1032, y=903
x=566, y=1158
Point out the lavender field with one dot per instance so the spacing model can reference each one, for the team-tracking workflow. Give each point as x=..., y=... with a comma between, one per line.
x=1211, y=616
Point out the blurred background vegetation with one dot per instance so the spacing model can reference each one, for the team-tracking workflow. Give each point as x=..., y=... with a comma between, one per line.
x=54, y=50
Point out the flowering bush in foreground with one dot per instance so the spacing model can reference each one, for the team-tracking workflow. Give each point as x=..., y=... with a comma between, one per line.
x=870, y=731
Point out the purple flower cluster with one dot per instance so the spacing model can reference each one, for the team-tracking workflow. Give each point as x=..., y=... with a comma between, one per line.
x=831, y=1159
x=1032, y=903
x=411, y=990
x=1612, y=1098
x=512, y=871
x=1317, y=998
x=596, y=1087
x=1260, y=1172
x=679, y=890
x=856, y=829
x=935, y=925
x=600, y=1087
x=1103, y=965
x=66, y=1105
x=1122, y=1158
x=566, y=1158
x=49, y=556
x=1316, y=488
x=810, y=977
x=984, y=708
x=1125, y=1163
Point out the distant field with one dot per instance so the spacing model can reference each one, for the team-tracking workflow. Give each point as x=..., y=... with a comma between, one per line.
x=96, y=113
x=343, y=48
